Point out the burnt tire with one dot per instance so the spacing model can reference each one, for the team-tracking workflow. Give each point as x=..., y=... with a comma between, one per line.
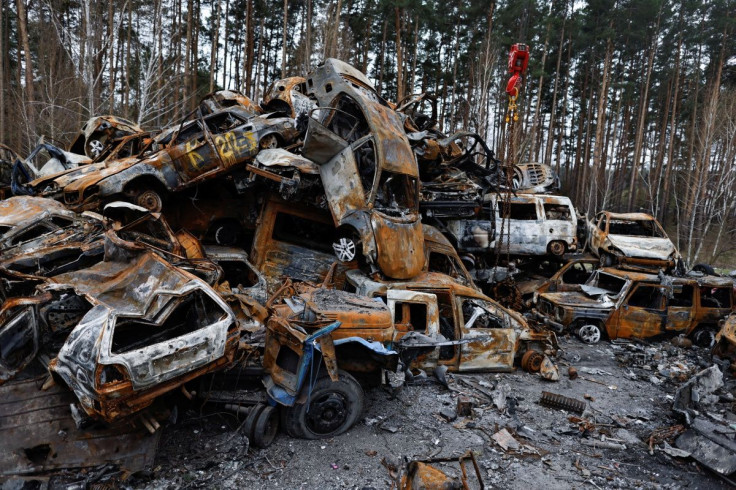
x=333, y=407
x=531, y=361
x=557, y=248
x=606, y=259
x=266, y=427
x=590, y=333
x=704, y=337
x=705, y=269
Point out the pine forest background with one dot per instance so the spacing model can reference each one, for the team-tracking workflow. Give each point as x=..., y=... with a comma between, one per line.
x=633, y=102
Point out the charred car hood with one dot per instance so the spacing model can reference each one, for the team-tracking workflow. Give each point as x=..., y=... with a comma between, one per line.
x=86, y=175
x=18, y=209
x=577, y=300
x=643, y=247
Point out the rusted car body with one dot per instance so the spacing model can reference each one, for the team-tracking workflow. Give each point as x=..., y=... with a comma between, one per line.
x=152, y=328
x=203, y=147
x=725, y=340
x=295, y=242
x=493, y=337
x=98, y=131
x=524, y=224
x=628, y=304
x=631, y=239
x=288, y=95
x=29, y=223
x=369, y=173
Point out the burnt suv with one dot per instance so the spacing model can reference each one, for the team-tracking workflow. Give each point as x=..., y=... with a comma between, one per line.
x=627, y=304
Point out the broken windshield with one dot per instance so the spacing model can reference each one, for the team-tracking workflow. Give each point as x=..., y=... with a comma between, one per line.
x=608, y=282
x=396, y=194
x=641, y=227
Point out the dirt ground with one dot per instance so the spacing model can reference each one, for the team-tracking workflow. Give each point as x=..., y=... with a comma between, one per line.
x=628, y=388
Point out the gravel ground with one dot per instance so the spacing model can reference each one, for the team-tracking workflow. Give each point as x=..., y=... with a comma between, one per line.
x=628, y=389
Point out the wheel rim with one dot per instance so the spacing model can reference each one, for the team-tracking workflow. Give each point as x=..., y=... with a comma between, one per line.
x=96, y=147
x=344, y=249
x=557, y=248
x=590, y=334
x=269, y=141
x=150, y=200
x=535, y=363
x=327, y=413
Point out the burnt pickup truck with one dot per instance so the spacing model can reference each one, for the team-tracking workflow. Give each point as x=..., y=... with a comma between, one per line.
x=627, y=304
x=345, y=336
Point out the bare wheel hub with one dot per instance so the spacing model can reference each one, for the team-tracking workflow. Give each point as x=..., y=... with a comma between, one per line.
x=150, y=200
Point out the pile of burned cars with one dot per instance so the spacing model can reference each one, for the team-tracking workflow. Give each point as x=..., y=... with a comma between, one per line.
x=280, y=244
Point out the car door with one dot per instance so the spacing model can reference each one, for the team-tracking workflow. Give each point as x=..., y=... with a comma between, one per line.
x=489, y=339
x=642, y=313
x=413, y=311
x=193, y=153
x=680, y=308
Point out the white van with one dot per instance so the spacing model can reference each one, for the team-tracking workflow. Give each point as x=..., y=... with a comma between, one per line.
x=536, y=224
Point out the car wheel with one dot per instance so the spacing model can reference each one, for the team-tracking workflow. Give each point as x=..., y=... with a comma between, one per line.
x=556, y=248
x=269, y=141
x=346, y=248
x=704, y=338
x=705, y=269
x=266, y=427
x=606, y=259
x=151, y=200
x=227, y=234
x=589, y=333
x=333, y=407
x=94, y=145
x=531, y=361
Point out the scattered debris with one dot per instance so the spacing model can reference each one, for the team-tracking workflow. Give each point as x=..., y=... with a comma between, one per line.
x=561, y=402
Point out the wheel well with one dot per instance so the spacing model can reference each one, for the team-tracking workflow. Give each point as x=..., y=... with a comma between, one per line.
x=145, y=182
x=279, y=138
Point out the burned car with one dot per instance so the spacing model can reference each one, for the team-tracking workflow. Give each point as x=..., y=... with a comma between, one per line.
x=152, y=328
x=355, y=336
x=491, y=337
x=201, y=148
x=520, y=225
x=295, y=242
x=98, y=131
x=631, y=239
x=28, y=223
x=627, y=304
x=369, y=173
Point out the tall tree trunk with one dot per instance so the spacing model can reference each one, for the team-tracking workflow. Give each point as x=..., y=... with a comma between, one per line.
x=563, y=116
x=126, y=96
x=673, y=128
x=225, y=66
x=382, y=64
x=414, y=56
x=540, y=85
x=215, y=42
x=640, y=128
x=399, y=14
x=553, y=115
x=283, y=40
x=25, y=43
x=599, y=168
x=308, y=40
x=111, y=56
x=249, y=47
